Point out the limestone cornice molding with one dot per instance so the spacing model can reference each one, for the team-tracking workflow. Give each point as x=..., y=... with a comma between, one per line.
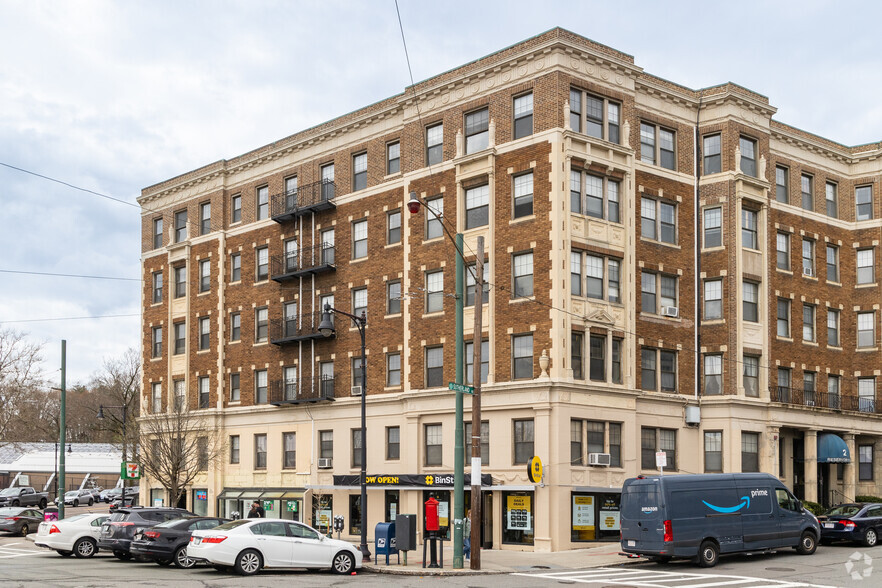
x=798, y=139
x=666, y=91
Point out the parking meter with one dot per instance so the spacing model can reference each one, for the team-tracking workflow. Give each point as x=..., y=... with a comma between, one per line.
x=338, y=524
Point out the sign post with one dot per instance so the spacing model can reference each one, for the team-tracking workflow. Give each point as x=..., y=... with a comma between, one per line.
x=661, y=460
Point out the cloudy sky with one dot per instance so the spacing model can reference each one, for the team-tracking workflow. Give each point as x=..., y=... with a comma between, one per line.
x=115, y=96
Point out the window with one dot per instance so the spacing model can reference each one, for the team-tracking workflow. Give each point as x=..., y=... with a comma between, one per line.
x=808, y=322
x=597, y=358
x=782, y=248
x=616, y=360
x=260, y=386
x=657, y=146
x=289, y=450
x=863, y=200
x=750, y=303
x=484, y=443
x=357, y=371
x=156, y=397
x=833, y=398
x=235, y=267
x=262, y=257
x=751, y=376
x=180, y=226
x=157, y=287
x=180, y=281
x=658, y=220
x=356, y=448
x=866, y=329
x=235, y=326
x=204, y=275
x=157, y=233
x=290, y=194
x=434, y=229
x=832, y=327
x=203, y=391
x=713, y=451
x=783, y=318
x=472, y=287
x=260, y=451
x=477, y=134
x=359, y=301
x=522, y=265
x=523, y=116
x=523, y=195
x=808, y=257
x=577, y=355
x=234, y=388
x=865, y=462
x=576, y=191
x=434, y=291
x=832, y=196
x=328, y=249
x=809, y=380
x=865, y=273
x=784, y=384
x=713, y=232
x=594, y=277
x=434, y=367
x=749, y=452
x=652, y=284
x=393, y=227
x=180, y=395
x=470, y=361
x=832, y=263
x=289, y=382
x=713, y=375
x=434, y=147
x=477, y=206
x=522, y=357
x=601, y=117
x=523, y=441
x=326, y=444
x=576, y=442
x=204, y=333
x=236, y=209
x=291, y=262
x=180, y=338
x=262, y=203
x=393, y=158
x=234, y=449
x=749, y=238
x=393, y=369
x=205, y=218
x=157, y=342
x=359, y=239
x=867, y=394
x=782, y=184
x=359, y=172
x=712, y=157
x=393, y=297
x=808, y=199
x=652, y=440
x=748, y=156
x=393, y=443
x=261, y=324
x=597, y=198
x=576, y=273
x=433, y=445
x=654, y=362
x=328, y=186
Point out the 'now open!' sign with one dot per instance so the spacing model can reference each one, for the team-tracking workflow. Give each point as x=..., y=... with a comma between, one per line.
x=130, y=471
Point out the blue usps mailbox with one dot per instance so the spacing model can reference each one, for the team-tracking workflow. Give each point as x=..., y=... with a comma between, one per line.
x=384, y=541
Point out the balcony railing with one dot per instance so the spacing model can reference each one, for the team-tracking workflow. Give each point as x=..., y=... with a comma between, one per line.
x=304, y=390
x=818, y=399
x=312, y=260
x=295, y=329
x=309, y=198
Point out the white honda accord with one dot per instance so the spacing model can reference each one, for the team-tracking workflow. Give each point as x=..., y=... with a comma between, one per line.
x=77, y=535
x=247, y=545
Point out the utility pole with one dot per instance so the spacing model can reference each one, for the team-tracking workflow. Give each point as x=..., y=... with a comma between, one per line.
x=62, y=430
x=458, y=449
x=477, y=522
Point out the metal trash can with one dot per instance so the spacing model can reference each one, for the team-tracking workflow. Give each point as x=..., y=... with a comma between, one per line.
x=384, y=541
x=50, y=513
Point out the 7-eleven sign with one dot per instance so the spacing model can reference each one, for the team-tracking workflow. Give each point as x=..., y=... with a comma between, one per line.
x=130, y=470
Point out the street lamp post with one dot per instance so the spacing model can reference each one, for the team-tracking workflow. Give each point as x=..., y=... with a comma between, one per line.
x=326, y=328
x=124, y=411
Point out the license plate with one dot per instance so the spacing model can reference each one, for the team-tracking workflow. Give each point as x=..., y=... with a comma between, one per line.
x=828, y=525
x=197, y=540
x=632, y=543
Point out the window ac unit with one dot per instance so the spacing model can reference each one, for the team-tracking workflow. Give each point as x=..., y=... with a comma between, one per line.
x=671, y=311
x=325, y=463
x=807, y=271
x=356, y=391
x=598, y=459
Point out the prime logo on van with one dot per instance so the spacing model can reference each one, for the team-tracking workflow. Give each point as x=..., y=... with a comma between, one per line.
x=744, y=504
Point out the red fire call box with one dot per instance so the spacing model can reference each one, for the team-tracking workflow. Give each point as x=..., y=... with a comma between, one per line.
x=432, y=514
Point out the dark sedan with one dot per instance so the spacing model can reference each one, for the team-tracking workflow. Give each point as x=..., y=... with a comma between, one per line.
x=21, y=520
x=861, y=522
x=167, y=542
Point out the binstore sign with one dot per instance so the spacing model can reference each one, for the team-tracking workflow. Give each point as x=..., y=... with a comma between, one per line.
x=414, y=480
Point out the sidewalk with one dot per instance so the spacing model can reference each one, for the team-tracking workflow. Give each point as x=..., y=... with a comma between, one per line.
x=495, y=561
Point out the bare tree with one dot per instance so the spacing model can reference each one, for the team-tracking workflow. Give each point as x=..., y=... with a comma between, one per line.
x=119, y=384
x=20, y=375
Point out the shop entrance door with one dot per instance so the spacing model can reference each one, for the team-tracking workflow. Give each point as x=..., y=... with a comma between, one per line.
x=486, y=516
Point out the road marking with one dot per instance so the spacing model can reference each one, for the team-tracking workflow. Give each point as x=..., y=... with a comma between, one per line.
x=662, y=579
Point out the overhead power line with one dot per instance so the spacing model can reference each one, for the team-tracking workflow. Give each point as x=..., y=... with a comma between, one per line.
x=69, y=318
x=5, y=271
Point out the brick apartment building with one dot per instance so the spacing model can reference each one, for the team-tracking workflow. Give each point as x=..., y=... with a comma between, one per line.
x=719, y=302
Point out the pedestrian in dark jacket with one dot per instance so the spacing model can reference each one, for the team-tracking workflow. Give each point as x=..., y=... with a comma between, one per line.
x=256, y=511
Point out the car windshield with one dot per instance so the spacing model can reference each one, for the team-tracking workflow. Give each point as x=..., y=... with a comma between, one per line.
x=844, y=510
x=72, y=493
x=233, y=524
x=10, y=510
x=9, y=492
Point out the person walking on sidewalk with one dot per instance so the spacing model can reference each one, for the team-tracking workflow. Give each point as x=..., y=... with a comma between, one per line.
x=467, y=537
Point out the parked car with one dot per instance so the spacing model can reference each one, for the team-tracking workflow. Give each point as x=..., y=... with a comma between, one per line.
x=699, y=517
x=78, y=497
x=248, y=545
x=77, y=535
x=117, y=532
x=166, y=543
x=131, y=500
x=110, y=494
x=861, y=522
x=18, y=519
x=23, y=496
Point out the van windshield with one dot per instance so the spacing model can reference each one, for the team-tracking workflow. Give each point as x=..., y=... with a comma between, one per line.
x=641, y=500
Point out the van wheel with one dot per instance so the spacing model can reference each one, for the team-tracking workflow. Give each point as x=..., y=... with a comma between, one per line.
x=871, y=538
x=807, y=544
x=708, y=554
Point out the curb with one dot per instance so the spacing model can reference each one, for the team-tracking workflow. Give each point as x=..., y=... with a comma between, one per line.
x=394, y=571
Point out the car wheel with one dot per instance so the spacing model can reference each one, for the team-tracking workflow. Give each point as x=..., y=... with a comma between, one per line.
x=76, y=503
x=64, y=553
x=181, y=559
x=870, y=538
x=43, y=504
x=91, y=502
x=248, y=563
x=708, y=554
x=123, y=555
x=84, y=547
x=24, y=530
x=15, y=503
x=343, y=563
x=163, y=562
x=807, y=544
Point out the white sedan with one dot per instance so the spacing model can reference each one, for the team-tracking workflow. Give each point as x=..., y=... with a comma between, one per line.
x=247, y=545
x=77, y=535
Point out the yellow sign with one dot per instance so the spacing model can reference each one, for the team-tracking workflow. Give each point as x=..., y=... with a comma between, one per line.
x=534, y=470
x=583, y=513
x=430, y=480
x=519, y=513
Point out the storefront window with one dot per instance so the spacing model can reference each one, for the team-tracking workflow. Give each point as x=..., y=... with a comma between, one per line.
x=595, y=517
x=444, y=510
x=392, y=501
x=322, y=512
x=355, y=514
x=200, y=502
x=157, y=497
x=517, y=517
x=290, y=509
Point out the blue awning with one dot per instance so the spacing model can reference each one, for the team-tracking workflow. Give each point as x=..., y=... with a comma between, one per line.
x=832, y=449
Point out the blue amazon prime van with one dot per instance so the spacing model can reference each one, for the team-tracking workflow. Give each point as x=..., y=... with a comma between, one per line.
x=699, y=517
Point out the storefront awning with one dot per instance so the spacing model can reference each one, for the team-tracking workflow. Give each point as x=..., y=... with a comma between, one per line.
x=832, y=449
x=230, y=494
